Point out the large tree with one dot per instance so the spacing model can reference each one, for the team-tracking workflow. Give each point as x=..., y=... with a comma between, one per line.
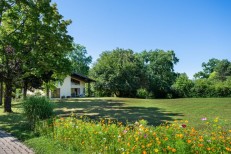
x=208, y=68
x=223, y=69
x=121, y=72
x=116, y=73
x=79, y=60
x=160, y=71
x=33, y=43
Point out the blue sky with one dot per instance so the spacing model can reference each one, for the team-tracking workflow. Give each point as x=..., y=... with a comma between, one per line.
x=197, y=30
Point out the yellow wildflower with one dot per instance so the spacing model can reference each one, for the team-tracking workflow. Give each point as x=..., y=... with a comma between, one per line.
x=149, y=145
x=201, y=140
x=156, y=150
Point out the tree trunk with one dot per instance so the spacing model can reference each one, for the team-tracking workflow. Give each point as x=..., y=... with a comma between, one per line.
x=24, y=89
x=1, y=92
x=47, y=91
x=8, y=96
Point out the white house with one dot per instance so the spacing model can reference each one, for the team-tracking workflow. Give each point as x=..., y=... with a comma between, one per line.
x=72, y=86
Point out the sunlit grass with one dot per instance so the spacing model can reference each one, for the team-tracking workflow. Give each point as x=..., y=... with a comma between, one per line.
x=155, y=111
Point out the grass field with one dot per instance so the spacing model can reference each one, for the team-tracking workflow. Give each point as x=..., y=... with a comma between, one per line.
x=155, y=111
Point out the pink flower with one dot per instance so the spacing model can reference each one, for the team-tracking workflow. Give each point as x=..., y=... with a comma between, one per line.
x=203, y=119
x=125, y=131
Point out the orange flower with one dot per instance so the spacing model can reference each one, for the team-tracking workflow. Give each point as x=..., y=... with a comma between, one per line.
x=200, y=145
x=228, y=149
x=144, y=152
x=169, y=148
x=208, y=148
x=189, y=141
x=173, y=150
x=166, y=138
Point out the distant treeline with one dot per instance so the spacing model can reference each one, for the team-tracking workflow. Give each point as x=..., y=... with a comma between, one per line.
x=150, y=74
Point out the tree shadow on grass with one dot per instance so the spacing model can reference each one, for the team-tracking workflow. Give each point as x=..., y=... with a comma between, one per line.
x=15, y=124
x=113, y=109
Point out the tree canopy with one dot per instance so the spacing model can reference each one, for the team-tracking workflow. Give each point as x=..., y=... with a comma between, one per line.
x=122, y=72
x=79, y=60
x=33, y=43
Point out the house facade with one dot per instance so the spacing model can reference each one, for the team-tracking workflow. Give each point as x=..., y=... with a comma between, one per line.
x=72, y=86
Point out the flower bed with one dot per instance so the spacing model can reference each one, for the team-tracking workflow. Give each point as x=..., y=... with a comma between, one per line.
x=106, y=136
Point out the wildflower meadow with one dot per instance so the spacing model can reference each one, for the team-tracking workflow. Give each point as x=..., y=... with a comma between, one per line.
x=108, y=136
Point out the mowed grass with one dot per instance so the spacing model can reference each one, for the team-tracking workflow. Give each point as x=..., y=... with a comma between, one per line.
x=155, y=111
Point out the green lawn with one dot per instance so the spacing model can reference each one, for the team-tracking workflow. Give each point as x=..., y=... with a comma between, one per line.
x=155, y=111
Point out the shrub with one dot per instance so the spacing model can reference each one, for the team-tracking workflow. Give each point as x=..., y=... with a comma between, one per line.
x=37, y=108
x=142, y=93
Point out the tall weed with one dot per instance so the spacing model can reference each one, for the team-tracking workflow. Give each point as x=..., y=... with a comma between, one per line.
x=37, y=108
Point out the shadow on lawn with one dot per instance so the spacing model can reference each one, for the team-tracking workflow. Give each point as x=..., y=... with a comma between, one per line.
x=113, y=109
x=15, y=124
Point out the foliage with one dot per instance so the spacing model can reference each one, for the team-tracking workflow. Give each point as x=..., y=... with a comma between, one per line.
x=79, y=60
x=159, y=70
x=37, y=108
x=208, y=68
x=223, y=69
x=121, y=72
x=216, y=79
x=107, y=136
x=33, y=44
x=116, y=73
x=183, y=86
x=142, y=93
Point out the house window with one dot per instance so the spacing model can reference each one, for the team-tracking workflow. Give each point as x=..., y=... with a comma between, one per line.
x=75, y=82
x=75, y=92
x=56, y=93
